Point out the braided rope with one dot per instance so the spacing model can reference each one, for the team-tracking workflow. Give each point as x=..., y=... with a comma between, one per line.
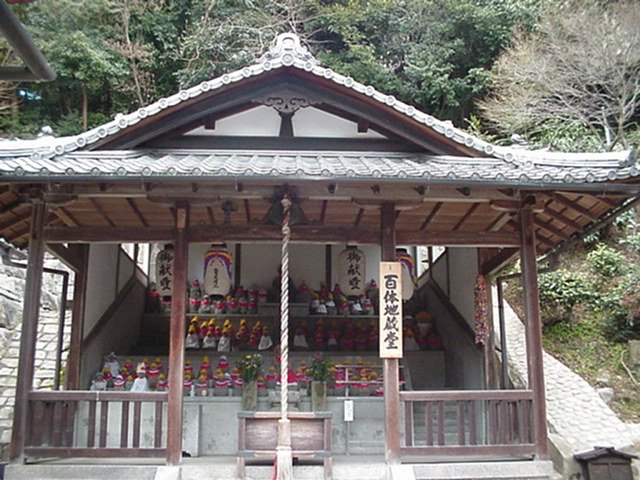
x=284, y=308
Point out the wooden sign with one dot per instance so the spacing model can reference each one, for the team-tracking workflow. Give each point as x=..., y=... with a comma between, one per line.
x=217, y=270
x=390, y=310
x=164, y=271
x=351, y=271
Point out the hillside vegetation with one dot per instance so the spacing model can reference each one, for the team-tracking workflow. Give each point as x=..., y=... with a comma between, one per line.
x=590, y=307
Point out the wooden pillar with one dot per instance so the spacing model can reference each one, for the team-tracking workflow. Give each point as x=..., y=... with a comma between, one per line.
x=390, y=365
x=533, y=330
x=29, y=330
x=77, y=316
x=177, y=331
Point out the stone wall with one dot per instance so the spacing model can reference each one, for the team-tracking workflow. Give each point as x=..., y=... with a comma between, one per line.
x=12, y=283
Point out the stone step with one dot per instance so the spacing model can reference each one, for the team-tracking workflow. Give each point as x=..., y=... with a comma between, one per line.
x=499, y=470
x=80, y=472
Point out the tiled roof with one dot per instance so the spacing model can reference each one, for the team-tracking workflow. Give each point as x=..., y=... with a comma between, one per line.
x=289, y=53
x=310, y=165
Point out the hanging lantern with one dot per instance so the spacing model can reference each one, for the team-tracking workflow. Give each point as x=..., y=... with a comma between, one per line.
x=409, y=280
x=217, y=270
x=164, y=272
x=351, y=271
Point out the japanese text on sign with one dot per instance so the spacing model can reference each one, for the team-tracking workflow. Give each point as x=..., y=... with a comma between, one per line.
x=164, y=272
x=390, y=310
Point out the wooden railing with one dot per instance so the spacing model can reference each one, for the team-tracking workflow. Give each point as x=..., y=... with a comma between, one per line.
x=486, y=422
x=96, y=424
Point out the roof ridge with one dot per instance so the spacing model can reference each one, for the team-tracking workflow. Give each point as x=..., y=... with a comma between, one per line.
x=288, y=51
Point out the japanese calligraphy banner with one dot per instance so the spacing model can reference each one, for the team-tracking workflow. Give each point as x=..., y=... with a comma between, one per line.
x=390, y=310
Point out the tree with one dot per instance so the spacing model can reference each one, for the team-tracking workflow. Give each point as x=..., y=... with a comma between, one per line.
x=580, y=68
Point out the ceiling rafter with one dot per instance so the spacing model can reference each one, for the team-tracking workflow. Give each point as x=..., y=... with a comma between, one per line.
x=573, y=205
x=561, y=217
x=212, y=218
x=498, y=222
x=67, y=217
x=136, y=211
x=323, y=210
x=18, y=219
x=102, y=212
x=431, y=216
x=550, y=228
x=247, y=210
x=466, y=216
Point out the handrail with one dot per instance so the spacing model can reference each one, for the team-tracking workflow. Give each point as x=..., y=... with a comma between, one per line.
x=453, y=395
x=98, y=396
x=110, y=311
x=453, y=311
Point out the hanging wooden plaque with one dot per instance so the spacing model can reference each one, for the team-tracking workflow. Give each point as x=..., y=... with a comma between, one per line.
x=390, y=310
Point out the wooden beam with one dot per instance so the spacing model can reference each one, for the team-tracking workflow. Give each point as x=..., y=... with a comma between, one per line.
x=391, y=380
x=107, y=235
x=561, y=217
x=466, y=216
x=299, y=233
x=567, y=202
x=102, y=212
x=498, y=222
x=323, y=210
x=16, y=221
x=29, y=336
x=177, y=332
x=237, y=266
x=77, y=316
x=136, y=211
x=607, y=201
x=66, y=255
x=431, y=216
x=66, y=216
x=359, y=217
x=328, y=263
x=550, y=228
x=497, y=261
x=212, y=218
x=247, y=210
x=533, y=329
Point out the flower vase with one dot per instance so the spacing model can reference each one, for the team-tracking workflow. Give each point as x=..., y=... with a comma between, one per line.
x=250, y=396
x=318, y=396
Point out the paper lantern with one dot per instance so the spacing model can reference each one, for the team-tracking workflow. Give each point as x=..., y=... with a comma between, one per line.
x=217, y=270
x=351, y=271
x=164, y=271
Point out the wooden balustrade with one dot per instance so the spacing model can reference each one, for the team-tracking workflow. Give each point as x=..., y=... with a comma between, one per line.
x=96, y=424
x=486, y=422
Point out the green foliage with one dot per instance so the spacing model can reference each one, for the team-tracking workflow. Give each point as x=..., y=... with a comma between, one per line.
x=434, y=54
x=250, y=367
x=605, y=261
x=320, y=369
x=560, y=291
